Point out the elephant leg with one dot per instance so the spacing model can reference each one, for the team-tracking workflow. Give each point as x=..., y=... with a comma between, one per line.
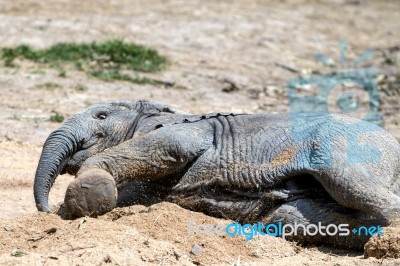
x=143, y=193
x=361, y=189
x=154, y=156
x=95, y=193
x=160, y=155
x=92, y=194
x=306, y=212
x=358, y=164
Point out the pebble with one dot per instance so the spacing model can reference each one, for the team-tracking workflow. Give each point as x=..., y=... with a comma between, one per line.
x=196, y=249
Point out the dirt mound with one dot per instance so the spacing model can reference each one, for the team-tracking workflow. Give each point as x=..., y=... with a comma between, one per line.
x=226, y=56
x=386, y=246
x=137, y=234
x=158, y=234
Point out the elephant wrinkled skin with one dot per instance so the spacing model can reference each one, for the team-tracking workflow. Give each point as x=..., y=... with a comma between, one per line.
x=300, y=168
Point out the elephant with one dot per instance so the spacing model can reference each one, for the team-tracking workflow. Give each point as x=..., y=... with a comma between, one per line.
x=308, y=168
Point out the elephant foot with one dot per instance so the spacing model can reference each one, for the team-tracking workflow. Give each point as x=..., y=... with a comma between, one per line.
x=93, y=193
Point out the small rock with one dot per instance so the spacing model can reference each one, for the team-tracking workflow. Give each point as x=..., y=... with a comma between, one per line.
x=17, y=252
x=6, y=228
x=254, y=93
x=177, y=255
x=8, y=138
x=237, y=263
x=51, y=230
x=196, y=249
x=272, y=90
x=230, y=86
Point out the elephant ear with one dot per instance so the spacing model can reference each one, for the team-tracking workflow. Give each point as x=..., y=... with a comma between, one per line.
x=171, y=110
x=150, y=107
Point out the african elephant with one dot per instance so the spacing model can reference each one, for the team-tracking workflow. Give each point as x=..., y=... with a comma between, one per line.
x=304, y=168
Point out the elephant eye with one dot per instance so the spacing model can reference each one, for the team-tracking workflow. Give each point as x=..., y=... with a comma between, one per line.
x=101, y=115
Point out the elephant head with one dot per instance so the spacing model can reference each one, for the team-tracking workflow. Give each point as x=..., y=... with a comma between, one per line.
x=86, y=133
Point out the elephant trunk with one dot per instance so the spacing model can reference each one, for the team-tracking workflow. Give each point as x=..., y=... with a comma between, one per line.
x=58, y=148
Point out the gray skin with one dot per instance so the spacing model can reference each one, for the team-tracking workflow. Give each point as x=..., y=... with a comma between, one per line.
x=304, y=168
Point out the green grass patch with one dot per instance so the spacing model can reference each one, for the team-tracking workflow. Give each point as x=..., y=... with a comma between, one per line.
x=115, y=74
x=105, y=60
x=56, y=118
x=37, y=71
x=110, y=75
x=62, y=73
x=16, y=117
x=51, y=86
x=133, y=56
x=81, y=87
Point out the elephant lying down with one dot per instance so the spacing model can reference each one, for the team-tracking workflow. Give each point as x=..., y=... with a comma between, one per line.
x=303, y=168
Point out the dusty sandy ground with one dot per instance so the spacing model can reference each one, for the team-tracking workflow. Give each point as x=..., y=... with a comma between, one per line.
x=225, y=56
